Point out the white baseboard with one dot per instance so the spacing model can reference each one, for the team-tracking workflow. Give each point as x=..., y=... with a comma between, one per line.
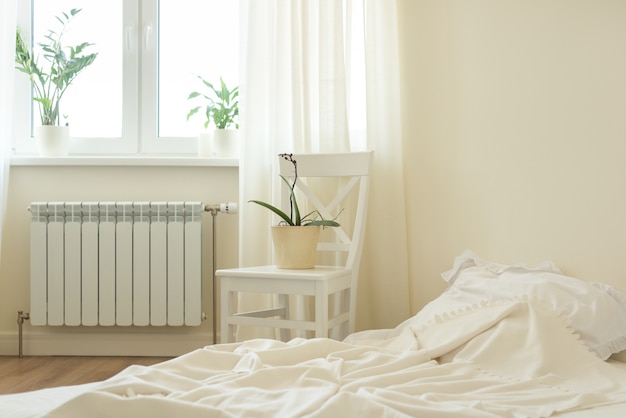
x=77, y=342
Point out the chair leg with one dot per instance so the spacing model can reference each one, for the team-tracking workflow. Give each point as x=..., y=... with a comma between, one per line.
x=338, y=307
x=302, y=308
x=227, y=300
x=346, y=327
x=321, y=313
x=283, y=301
x=351, y=303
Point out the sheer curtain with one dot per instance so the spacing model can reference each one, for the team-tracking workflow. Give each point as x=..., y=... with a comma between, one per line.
x=385, y=267
x=300, y=90
x=8, y=13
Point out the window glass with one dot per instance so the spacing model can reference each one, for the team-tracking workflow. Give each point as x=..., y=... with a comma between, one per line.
x=196, y=37
x=92, y=105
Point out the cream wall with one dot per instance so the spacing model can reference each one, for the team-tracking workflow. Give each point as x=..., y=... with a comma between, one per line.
x=210, y=185
x=515, y=140
x=514, y=119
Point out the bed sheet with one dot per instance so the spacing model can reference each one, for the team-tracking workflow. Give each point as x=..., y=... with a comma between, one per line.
x=617, y=410
x=608, y=411
x=37, y=403
x=512, y=358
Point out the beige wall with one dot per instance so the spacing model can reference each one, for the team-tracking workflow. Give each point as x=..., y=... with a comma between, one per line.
x=514, y=124
x=42, y=183
x=514, y=118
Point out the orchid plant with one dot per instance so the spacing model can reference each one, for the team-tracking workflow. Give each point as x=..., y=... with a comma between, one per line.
x=294, y=218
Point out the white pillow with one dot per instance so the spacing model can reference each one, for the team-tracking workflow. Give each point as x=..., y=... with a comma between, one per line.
x=597, y=311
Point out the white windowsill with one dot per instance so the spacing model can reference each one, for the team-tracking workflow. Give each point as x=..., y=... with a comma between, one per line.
x=123, y=161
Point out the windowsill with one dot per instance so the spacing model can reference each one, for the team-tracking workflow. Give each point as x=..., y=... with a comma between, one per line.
x=121, y=161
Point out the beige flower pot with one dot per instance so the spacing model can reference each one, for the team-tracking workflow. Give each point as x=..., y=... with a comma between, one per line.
x=295, y=246
x=52, y=141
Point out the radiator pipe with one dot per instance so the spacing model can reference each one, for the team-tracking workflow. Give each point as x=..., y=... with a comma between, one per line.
x=227, y=208
x=21, y=316
x=213, y=215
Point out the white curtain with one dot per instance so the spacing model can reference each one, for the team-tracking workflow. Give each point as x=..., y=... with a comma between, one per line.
x=385, y=268
x=8, y=13
x=300, y=89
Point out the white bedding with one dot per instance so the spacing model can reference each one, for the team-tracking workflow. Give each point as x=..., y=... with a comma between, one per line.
x=514, y=357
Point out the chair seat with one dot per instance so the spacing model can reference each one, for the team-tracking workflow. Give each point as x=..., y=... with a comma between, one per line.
x=318, y=282
x=272, y=272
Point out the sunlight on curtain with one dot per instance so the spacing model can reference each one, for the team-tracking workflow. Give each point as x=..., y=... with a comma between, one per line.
x=385, y=266
x=305, y=67
x=8, y=13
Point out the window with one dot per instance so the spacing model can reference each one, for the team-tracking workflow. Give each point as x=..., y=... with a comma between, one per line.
x=133, y=98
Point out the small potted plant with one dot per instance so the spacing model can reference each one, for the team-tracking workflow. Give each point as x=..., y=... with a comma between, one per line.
x=295, y=237
x=50, y=80
x=221, y=109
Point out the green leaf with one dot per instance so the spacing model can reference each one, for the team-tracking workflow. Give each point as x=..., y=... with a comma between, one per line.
x=323, y=222
x=193, y=112
x=221, y=109
x=274, y=209
x=50, y=83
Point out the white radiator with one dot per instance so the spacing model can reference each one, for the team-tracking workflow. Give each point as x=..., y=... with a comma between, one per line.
x=116, y=263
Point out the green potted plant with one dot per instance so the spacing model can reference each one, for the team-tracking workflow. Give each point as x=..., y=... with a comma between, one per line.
x=295, y=237
x=221, y=109
x=50, y=80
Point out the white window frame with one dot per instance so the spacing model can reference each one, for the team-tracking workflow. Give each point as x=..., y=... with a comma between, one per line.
x=140, y=90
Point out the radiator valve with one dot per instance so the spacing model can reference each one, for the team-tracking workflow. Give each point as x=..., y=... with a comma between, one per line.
x=227, y=208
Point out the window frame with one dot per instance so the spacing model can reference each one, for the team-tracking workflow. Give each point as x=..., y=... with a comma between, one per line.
x=139, y=92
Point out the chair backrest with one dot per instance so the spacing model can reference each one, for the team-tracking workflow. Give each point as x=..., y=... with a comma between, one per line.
x=352, y=172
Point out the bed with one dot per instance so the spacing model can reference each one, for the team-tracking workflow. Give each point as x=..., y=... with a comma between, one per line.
x=501, y=341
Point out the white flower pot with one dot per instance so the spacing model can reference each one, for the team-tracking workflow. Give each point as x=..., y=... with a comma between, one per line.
x=205, y=144
x=226, y=143
x=295, y=246
x=219, y=143
x=52, y=141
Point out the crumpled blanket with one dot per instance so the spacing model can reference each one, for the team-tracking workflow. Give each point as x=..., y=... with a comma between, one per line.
x=510, y=358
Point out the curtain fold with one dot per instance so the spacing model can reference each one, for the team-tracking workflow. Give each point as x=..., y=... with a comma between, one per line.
x=385, y=267
x=8, y=19
x=300, y=90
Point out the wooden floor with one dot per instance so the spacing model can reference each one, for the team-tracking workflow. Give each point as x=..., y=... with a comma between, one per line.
x=31, y=373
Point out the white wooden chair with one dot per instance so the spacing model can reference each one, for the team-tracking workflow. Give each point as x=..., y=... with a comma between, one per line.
x=322, y=281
